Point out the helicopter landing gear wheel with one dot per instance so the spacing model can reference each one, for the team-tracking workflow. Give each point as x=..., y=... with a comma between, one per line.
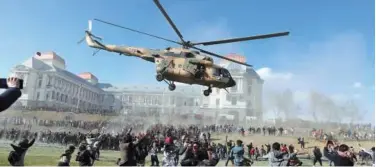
x=172, y=87
x=159, y=77
x=208, y=91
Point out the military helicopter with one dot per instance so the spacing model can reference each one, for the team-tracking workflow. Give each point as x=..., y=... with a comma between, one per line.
x=187, y=64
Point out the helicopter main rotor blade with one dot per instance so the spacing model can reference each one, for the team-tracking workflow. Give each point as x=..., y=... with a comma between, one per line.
x=140, y=32
x=242, y=39
x=169, y=19
x=219, y=56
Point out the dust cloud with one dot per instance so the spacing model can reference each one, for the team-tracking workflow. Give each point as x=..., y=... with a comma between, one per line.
x=321, y=81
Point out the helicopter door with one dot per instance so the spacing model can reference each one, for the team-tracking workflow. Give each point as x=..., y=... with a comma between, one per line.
x=189, y=67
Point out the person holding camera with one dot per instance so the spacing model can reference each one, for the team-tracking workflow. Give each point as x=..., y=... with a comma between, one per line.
x=10, y=96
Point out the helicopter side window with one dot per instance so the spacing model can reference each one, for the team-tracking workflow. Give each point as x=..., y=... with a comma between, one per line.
x=172, y=54
x=219, y=72
x=169, y=54
x=189, y=55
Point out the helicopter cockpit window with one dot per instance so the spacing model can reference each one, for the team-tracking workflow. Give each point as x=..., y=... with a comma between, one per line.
x=221, y=72
x=225, y=73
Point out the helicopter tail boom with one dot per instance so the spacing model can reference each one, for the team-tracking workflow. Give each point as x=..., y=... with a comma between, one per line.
x=122, y=50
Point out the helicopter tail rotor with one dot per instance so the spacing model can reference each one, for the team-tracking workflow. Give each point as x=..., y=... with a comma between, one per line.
x=91, y=39
x=88, y=31
x=90, y=25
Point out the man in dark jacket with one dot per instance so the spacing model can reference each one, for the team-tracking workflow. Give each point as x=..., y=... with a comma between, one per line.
x=342, y=157
x=66, y=156
x=127, y=150
x=317, y=156
x=13, y=92
x=84, y=156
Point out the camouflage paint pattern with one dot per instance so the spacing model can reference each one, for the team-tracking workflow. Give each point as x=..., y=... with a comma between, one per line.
x=176, y=64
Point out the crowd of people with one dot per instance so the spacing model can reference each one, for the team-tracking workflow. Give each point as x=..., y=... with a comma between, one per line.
x=185, y=145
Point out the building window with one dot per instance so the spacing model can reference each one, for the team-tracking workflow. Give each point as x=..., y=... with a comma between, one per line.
x=172, y=100
x=217, y=102
x=39, y=83
x=47, y=96
x=53, y=95
x=217, y=90
x=234, y=88
x=150, y=100
x=228, y=97
x=38, y=95
x=233, y=101
x=249, y=104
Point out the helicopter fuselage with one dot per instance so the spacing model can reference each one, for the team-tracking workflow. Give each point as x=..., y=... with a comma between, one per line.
x=175, y=64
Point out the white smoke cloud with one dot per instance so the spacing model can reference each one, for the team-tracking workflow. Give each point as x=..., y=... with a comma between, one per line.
x=269, y=75
x=326, y=66
x=323, y=67
x=357, y=85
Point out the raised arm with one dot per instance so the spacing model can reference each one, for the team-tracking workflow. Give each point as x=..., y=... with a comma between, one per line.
x=31, y=143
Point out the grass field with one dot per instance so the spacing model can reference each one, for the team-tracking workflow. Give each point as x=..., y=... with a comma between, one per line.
x=48, y=155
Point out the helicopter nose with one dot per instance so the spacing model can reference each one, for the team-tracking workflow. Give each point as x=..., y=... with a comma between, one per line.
x=231, y=83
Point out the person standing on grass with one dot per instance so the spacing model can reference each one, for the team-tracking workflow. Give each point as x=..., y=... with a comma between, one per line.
x=317, y=156
x=17, y=157
x=66, y=157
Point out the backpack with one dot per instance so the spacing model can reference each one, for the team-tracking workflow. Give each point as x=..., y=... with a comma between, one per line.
x=13, y=157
